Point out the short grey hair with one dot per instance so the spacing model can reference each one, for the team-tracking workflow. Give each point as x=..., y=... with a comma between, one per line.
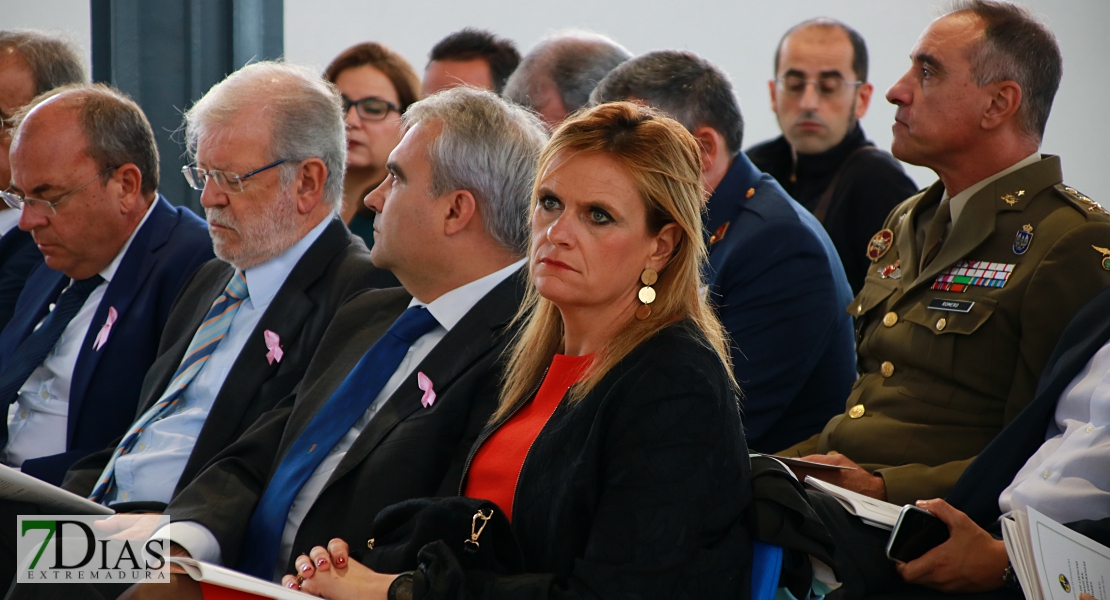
x=573, y=61
x=1016, y=47
x=305, y=112
x=55, y=60
x=489, y=148
x=689, y=88
x=116, y=130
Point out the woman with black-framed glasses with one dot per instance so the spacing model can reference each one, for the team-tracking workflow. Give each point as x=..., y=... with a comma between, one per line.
x=376, y=85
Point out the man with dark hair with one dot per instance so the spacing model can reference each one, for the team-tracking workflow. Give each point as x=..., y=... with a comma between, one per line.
x=822, y=159
x=88, y=323
x=556, y=77
x=31, y=63
x=470, y=57
x=774, y=274
x=974, y=279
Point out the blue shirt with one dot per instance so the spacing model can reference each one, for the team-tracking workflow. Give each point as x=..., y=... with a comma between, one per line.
x=151, y=470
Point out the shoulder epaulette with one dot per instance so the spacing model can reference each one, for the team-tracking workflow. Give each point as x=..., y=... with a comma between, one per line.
x=1080, y=200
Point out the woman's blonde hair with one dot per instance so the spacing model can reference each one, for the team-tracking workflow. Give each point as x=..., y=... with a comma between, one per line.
x=663, y=159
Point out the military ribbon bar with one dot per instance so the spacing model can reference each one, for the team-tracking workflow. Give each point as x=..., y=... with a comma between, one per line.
x=965, y=273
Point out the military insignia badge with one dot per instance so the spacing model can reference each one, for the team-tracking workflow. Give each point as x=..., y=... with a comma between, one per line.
x=718, y=234
x=891, y=271
x=1105, y=257
x=1010, y=199
x=966, y=273
x=879, y=245
x=1023, y=239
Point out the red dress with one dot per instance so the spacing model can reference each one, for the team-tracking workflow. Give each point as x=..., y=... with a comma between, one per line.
x=496, y=466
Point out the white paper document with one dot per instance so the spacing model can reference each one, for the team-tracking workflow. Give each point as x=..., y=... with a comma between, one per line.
x=875, y=513
x=1053, y=562
x=15, y=485
x=223, y=577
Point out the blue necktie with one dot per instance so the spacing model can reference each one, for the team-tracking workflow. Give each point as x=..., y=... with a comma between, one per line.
x=30, y=354
x=205, y=341
x=349, y=402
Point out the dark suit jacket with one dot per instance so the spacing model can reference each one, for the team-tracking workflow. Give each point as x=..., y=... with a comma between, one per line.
x=332, y=270
x=104, y=391
x=780, y=291
x=18, y=255
x=993, y=470
x=636, y=491
x=406, y=451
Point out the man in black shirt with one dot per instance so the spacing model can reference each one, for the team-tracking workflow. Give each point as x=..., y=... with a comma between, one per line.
x=823, y=159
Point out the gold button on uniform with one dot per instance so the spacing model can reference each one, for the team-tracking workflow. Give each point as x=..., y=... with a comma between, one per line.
x=890, y=319
x=887, y=369
x=941, y=323
x=856, y=411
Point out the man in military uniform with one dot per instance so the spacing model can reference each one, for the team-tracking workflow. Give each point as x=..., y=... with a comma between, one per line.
x=974, y=279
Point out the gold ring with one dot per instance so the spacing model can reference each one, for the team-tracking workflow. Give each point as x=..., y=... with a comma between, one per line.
x=300, y=580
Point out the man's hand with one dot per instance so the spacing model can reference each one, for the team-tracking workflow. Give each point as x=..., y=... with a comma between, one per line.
x=856, y=479
x=129, y=526
x=177, y=550
x=970, y=561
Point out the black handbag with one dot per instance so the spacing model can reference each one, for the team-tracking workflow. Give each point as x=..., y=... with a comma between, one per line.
x=475, y=531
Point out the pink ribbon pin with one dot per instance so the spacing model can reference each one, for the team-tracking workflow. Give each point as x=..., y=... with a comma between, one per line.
x=102, y=335
x=273, y=342
x=425, y=384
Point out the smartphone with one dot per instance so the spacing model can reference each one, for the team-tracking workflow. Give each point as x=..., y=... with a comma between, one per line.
x=916, y=532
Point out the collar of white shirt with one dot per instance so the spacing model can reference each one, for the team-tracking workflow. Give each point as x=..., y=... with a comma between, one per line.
x=451, y=307
x=264, y=280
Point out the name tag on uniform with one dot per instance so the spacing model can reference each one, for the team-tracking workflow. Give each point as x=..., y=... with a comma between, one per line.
x=960, y=306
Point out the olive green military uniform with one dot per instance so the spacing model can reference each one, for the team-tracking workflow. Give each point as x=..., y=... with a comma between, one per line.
x=937, y=385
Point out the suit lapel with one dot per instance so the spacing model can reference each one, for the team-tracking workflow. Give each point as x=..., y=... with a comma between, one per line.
x=285, y=316
x=123, y=288
x=380, y=309
x=469, y=340
x=44, y=285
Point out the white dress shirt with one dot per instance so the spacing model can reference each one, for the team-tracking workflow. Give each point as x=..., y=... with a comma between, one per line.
x=38, y=419
x=1068, y=477
x=151, y=470
x=448, y=310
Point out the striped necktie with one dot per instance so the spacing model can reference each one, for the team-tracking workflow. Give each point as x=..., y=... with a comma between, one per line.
x=204, y=343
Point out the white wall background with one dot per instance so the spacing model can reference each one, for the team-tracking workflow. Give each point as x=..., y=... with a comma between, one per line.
x=739, y=35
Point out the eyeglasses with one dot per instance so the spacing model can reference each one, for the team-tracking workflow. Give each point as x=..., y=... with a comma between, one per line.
x=827, y=86
x=17, y=200
x=370, y=109
x=228, y=182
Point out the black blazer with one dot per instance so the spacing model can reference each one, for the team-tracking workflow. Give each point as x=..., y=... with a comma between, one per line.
x=637, y=491
x=332, y=270
x=976, y=492
x=406, y=451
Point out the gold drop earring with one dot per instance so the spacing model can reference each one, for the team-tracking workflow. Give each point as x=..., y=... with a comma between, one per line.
x=647, y=293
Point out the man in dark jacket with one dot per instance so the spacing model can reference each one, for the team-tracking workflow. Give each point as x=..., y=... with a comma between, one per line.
x=823, y=159
x=774, y=275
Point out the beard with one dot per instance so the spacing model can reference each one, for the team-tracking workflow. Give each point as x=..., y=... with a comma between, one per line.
x=256, y=237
